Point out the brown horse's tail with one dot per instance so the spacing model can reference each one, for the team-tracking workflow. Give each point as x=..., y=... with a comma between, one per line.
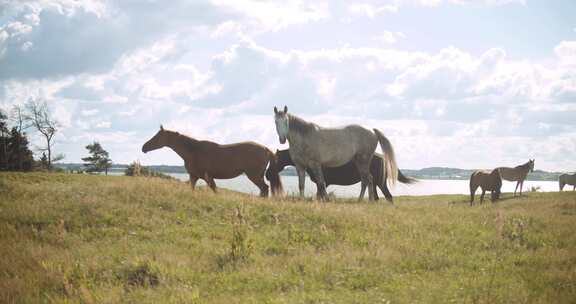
x=406, y=179
x=272, y=175
x=389, y=158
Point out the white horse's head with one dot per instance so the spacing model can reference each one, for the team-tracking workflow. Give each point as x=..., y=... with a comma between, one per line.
x=281, y=120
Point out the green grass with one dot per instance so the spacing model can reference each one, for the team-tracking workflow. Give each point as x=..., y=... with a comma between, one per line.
x=96, y=239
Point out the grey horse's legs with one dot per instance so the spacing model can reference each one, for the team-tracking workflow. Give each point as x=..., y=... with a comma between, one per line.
x=363, y=166
x=472, y=193
x=362, y=190
x=320, y=182
x=301, y=179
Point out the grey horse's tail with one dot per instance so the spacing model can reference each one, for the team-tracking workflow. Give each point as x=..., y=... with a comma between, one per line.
x=389, y=158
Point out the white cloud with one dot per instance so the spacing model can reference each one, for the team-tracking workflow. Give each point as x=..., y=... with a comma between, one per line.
x=370, y=10
x=272, y=16
x=217, y=77
x=389, y=37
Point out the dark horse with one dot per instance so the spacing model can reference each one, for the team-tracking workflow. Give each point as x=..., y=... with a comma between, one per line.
x=347, y=174
x=487, y=181
x=208, y=160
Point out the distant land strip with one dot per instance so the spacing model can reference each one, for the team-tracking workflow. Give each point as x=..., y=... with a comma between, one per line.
x=425, y=173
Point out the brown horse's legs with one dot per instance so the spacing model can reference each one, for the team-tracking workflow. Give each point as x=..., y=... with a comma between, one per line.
x=482, y=196
x=385, y=190
x=193, y=180
x=517, y=184
x=210, y=181
x=258, y=180
x=521, y=185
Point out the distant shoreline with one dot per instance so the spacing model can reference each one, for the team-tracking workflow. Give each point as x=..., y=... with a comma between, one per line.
x=432, y=173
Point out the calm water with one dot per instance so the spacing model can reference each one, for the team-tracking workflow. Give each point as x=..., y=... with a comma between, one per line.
x=423, y=187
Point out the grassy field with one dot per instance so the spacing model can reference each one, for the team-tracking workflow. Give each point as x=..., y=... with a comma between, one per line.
x=96, y=239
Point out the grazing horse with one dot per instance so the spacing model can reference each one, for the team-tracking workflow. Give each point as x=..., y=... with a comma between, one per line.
x=517, y=174
x=487, y=181
x=347, y=174
x=208, y=160
x=564, y=179
x=313, y=147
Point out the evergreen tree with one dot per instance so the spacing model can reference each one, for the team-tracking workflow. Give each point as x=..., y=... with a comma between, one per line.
x=19, y=155
x=4, y=135
x=99, y=159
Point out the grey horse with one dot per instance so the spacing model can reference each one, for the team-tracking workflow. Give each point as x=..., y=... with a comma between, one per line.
x=312, y=147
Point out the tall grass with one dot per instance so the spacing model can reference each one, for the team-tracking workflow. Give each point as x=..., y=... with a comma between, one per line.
x=96, y=239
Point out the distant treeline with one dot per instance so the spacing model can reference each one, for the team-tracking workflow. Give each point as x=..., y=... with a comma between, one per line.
x=425, y=173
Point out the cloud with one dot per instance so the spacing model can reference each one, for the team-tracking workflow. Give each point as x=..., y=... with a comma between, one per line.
x=370, y=10
x=272, y=16
x=66, y=38
x=218, y=76
x=389, y=37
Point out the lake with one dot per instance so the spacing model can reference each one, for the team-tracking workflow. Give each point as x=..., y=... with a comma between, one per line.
x=423, y=187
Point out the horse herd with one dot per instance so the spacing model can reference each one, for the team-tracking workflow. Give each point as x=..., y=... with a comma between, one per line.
x=330, y=156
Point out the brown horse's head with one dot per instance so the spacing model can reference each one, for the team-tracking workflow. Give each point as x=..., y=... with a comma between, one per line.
x=156, y=142
x=281, y=120
x=531, y=162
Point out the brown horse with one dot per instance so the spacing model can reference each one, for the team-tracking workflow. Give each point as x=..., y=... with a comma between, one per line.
x=347, y=174
x=208, y=160
x=491, y=181
x=517, y=174
x=564, y=179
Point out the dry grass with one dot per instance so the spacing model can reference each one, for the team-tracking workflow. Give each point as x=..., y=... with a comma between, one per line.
x=96, y=239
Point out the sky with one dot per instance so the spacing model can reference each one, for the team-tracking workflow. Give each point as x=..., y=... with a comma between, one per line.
x=451, y=83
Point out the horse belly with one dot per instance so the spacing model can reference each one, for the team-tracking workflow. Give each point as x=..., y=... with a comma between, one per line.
x=343, y=175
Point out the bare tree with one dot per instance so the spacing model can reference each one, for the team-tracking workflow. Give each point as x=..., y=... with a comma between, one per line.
x=18, y=117
x=39, y=117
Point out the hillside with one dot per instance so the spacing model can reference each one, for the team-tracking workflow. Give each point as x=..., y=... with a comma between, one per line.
x=96, y=239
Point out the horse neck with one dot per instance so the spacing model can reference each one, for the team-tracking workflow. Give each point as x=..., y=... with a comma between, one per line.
x=295, y=139
x=181, y=145
x=525, y=168
x=284, y=160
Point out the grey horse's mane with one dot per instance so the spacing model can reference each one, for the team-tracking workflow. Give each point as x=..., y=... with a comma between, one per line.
x=299, y=125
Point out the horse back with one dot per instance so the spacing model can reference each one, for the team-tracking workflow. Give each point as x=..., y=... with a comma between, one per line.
x=230, y=160
x=488, y=180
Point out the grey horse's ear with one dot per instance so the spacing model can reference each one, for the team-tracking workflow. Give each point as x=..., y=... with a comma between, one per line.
x=285, y=109
x=275, y=110
x=161, y=128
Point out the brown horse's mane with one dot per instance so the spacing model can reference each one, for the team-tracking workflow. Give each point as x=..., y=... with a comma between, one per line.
x=189, y=142
x=523, y=166
x=299, y=125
